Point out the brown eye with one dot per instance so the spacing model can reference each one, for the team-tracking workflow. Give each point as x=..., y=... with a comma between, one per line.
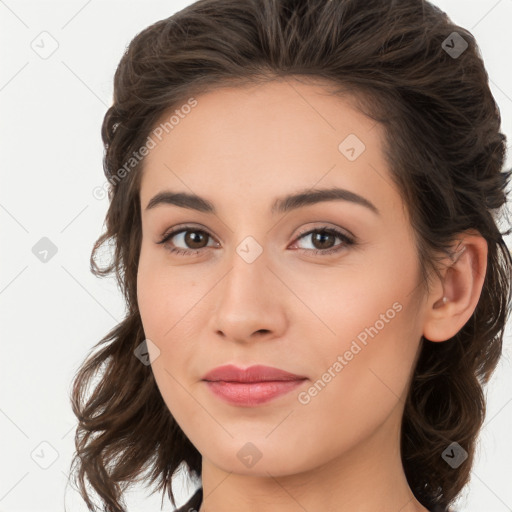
x=196, y=239
x=187, y=240
x=323, y=240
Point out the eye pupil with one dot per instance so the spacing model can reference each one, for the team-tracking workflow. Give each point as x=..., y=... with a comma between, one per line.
x=323, y=236
x=195, y=237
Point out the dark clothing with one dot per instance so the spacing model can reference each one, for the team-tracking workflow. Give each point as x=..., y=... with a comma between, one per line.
x=194, y=503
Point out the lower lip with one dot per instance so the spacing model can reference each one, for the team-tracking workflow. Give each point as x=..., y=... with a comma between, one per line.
x=252, y=393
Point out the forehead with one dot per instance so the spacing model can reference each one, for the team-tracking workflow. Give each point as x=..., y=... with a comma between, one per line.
x=265, y=139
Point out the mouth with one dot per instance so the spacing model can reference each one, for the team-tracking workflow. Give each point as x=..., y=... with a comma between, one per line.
x=251, y=386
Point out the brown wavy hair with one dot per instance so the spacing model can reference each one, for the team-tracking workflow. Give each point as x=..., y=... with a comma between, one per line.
x=446, y=155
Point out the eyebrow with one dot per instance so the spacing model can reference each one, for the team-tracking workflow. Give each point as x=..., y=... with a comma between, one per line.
x=281, y=205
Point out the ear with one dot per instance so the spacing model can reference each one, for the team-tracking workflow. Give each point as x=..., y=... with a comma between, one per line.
x=461, y=286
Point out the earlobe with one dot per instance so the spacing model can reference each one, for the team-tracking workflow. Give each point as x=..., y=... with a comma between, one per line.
x=462, y=282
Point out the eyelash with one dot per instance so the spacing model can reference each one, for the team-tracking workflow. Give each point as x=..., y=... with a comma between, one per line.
x=347, y=241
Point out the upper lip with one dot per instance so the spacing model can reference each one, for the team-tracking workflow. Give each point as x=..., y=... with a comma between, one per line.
x=256, y=373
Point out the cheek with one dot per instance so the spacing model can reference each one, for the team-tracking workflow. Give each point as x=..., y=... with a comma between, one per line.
x=162, y=294
x=362, y=375
x=150, y=295
x=368, y=350
x=163, y=315
x=169, y=301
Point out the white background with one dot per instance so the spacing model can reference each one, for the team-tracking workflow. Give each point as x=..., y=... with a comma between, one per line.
x=54, y=312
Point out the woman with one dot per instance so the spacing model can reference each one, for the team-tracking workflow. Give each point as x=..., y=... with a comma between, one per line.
x=304, y=203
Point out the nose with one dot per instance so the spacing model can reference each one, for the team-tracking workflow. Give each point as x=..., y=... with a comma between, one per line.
x=250, y=302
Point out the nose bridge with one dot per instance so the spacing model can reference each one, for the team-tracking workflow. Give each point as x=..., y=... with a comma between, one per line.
x=248, y=297
x=247, y=277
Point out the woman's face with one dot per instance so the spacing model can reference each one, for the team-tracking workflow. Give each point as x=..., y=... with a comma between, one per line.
x=252, y=285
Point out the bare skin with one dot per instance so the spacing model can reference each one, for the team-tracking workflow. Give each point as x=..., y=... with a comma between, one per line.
x=336, y=449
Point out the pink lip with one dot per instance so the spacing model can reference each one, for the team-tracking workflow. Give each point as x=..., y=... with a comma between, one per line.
x=252, y=386
x=256, y=373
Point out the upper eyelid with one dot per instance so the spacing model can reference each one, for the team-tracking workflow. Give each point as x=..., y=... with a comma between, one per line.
x=185, y=227
x=342, y=231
